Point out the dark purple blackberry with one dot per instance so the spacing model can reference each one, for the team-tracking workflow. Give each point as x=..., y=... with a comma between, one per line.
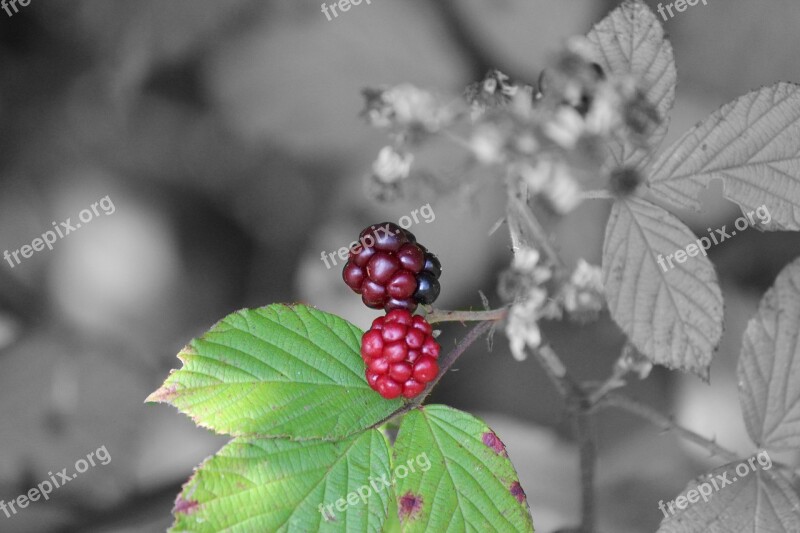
x=390, y=270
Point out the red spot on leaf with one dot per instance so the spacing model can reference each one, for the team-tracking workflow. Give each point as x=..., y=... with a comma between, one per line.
x=184, y=506
x=517, y=492
x=492, y=441
x=410, y=506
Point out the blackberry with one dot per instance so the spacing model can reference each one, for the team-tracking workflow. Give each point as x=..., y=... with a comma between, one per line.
x=390, y=270
x=400, y=354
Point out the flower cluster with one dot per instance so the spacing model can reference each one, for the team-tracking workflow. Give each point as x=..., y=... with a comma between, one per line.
x=494, y=91
x=405, y=110
x=392, y=166
x=583, y=296
x=552, y=138
x=525, y=283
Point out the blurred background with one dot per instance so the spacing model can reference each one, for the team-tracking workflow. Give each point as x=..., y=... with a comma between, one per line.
x=227, y=137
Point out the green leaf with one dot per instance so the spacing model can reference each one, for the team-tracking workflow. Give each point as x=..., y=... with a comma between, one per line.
x=672, y=315
x=283, y=485
x=769, y=367
x=452, y=473
x=277, y=371
x=762, y=500
x=630, y=40
x=753, y=145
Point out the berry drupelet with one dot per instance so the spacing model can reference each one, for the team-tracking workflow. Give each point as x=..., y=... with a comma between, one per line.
x=400, y=354
x=390, y=270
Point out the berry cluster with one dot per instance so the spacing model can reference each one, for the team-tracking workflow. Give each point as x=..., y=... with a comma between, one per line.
x=390, y=270
x=400, y=354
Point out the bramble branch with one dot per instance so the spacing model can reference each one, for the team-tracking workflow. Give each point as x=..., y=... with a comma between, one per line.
x=492, y=315
x=666, y=423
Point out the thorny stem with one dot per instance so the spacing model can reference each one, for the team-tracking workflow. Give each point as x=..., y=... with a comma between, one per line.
x=584, y=430
x=491, y=315
x=665, y=423
x=446, y=362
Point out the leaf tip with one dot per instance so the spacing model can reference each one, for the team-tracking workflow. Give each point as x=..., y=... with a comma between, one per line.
x=185, y=507
x=164, y=394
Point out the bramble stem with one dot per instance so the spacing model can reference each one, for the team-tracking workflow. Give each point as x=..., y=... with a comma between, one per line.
x=446, y=362
x=492, y=315
x=666, y=423
x=614, y=381
x=584, y=430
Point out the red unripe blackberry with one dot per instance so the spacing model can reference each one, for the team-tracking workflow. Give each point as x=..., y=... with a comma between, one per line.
x=371, y=342
x=390, y=270
x=421, y=324
x=399, y=317
x=395, y=352
x=379, y=365
x=393, y=330
x=400, y=354
x=388, y=388
x=412, y=388
x=430, y=347
x=400, y=372
x=372, y=378
x=425, y=369
x=415, y=338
